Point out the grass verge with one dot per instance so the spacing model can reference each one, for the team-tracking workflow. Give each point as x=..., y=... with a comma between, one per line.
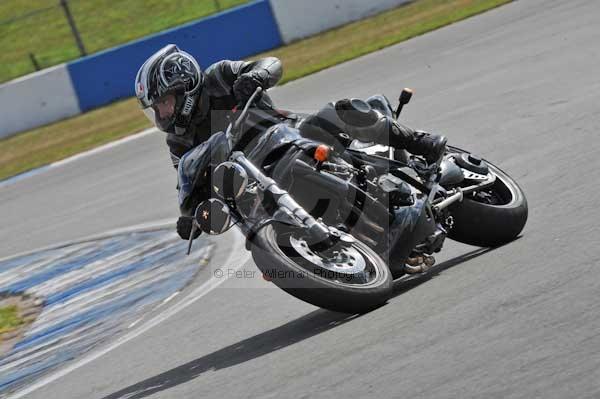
x=59, y=140
x=39, y=27
x=9, y=318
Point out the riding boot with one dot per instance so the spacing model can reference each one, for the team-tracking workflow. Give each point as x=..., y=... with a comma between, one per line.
x=431, y=146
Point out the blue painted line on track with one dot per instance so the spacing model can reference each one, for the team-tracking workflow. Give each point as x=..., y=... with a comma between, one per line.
x=151, y=265
x=108, y=278
x=10, y=379
x=52, y=272
x=22, y=261
x=111, y=308
x=140, y=297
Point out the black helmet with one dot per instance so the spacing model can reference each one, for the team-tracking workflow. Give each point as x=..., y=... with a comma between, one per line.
x=170, y=80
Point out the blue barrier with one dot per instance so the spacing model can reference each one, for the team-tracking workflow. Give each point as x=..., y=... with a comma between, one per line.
x=237, y=33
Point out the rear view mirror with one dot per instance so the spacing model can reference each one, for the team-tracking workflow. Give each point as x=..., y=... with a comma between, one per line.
x=212, y=217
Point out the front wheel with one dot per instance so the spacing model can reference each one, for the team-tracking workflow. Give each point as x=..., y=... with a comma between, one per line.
x=490, y=217
x=350, y=279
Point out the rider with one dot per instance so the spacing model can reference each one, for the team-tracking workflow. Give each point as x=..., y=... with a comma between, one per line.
x=178, y=97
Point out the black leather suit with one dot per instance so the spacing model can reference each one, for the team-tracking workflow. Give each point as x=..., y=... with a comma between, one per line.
x=374, y=125
x=218, y=98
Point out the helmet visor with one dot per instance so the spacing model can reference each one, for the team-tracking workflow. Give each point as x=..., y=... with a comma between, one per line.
x=162, y=112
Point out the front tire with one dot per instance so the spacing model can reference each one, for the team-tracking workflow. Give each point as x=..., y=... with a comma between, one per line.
x=277, y=258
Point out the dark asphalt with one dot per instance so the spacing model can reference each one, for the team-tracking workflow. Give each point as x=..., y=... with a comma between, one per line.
x=520, y=86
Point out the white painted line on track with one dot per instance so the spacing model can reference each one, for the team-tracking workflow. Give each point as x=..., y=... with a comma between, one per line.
x=108, y=146
x=135, y=323
x=236, y=249
x=173, y=295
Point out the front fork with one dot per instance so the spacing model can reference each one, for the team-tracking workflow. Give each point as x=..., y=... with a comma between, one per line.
x=279, y=199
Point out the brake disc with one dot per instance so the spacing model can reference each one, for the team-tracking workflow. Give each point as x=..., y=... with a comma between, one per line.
x=346, y=260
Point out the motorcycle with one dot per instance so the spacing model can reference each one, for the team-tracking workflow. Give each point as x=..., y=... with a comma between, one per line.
x=335, y=225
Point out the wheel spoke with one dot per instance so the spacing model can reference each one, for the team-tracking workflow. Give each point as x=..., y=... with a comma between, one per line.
x=346, y=266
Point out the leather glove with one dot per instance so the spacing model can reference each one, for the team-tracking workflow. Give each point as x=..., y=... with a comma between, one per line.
x=246, y=85
x=184, y=228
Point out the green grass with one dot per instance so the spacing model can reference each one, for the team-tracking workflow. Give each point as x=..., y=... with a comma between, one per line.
x=62, y=139
x=101, y=23
x=9, y=318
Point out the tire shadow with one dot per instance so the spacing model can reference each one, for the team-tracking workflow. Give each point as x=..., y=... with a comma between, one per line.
x=307, y=326
x=314, y=323
x=408, y=282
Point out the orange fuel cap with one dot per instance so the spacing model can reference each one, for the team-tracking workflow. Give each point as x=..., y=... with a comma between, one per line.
x=322, y=153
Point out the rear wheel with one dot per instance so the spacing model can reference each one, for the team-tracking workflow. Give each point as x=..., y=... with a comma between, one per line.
x=491, y=217
x=352, y=280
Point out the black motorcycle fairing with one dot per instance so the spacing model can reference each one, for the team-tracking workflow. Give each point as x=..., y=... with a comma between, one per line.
x=272, y=145
x=411, y=225
x=277, y=151
x=271, y=141
x=258, y=122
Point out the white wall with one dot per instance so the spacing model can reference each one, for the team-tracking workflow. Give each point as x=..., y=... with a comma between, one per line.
x=301, y=18
x=36, y=99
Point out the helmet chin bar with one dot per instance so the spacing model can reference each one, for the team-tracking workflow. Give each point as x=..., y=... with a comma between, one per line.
x=184, y=116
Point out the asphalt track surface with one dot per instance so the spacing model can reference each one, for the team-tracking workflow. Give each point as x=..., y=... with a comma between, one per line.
x=520, y=86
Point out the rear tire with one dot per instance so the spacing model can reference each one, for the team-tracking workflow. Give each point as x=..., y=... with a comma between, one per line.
x=284, y=269
x=488, y=224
